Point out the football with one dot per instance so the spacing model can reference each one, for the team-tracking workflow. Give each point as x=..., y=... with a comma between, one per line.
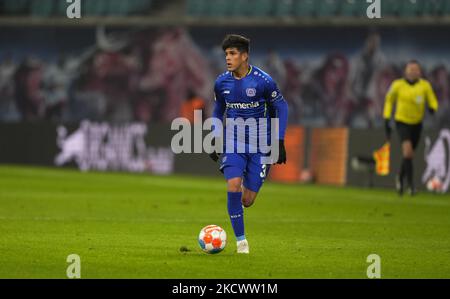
x=434, y=185
x=212, y=239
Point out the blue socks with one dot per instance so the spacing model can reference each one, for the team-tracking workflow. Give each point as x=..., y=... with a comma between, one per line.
x=236, y=213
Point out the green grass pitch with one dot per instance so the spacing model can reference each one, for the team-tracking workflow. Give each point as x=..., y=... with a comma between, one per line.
x=133, y=226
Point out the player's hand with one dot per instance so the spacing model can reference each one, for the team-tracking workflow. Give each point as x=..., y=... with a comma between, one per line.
x=281, y=153
x=214, y=156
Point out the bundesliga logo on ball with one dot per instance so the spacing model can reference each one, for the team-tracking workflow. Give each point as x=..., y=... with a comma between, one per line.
x=212, y=239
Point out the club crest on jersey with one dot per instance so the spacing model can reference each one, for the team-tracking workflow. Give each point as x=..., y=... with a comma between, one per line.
x=274, y=94
x=251, y=92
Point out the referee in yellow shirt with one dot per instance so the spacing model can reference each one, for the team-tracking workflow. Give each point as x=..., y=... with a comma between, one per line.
x=411, y=96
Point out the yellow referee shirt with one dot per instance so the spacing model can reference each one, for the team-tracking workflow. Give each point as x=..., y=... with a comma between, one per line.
x=410, y=101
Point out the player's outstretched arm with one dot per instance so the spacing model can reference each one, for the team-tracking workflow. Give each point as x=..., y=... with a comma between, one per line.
x=219, y=110
x=281, y=109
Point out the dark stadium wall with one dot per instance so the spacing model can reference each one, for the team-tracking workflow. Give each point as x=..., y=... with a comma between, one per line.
x=99, y=146
x=28, y=143
x=320, y=155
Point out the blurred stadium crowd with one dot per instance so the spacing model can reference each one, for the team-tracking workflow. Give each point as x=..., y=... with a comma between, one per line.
x=330, y=76
x=146, y=76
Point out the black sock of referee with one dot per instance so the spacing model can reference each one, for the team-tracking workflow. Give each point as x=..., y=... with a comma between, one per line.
x=401, y=174
x=408, y=171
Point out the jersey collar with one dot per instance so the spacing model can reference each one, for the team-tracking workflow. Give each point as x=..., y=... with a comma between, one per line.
x=249, y=70
x=412, y=83
x=248, y=73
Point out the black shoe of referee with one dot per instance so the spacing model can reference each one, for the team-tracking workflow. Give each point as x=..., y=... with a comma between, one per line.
x=412, y=191
x=399, y=185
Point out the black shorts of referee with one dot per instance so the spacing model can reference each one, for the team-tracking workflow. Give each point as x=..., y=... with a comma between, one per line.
x=407, y=132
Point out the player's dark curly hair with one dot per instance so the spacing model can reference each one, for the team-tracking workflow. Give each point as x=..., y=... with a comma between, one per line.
x=241, y=43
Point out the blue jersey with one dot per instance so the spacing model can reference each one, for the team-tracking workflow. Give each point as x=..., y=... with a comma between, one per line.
x=254, y=96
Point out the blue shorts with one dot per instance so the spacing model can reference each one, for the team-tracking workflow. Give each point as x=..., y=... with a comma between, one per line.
x=246, y=166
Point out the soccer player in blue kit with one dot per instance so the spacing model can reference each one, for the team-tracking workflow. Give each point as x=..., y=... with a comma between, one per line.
x=245, y=92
